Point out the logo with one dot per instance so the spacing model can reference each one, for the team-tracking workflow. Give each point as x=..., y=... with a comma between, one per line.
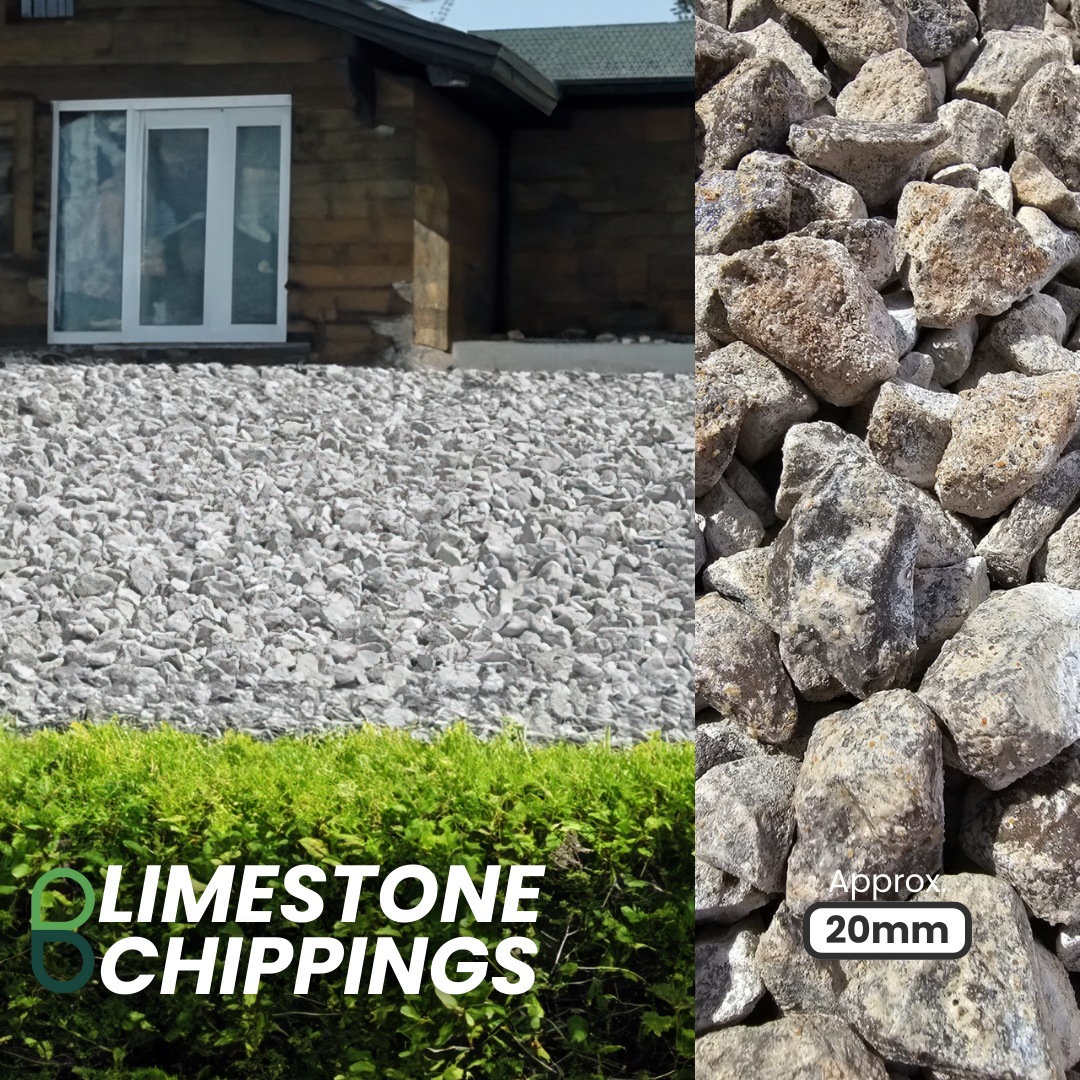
x=42, y=932
x=271, y=955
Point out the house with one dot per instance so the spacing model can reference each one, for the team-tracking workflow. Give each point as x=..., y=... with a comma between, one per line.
x=336, y=173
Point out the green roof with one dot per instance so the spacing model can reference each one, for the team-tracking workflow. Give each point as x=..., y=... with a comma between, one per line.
x=631, y=51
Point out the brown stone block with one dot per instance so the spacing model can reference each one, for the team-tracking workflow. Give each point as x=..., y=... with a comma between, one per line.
x=326, y=147
x=547, y=264
x=309, y=202
x=395, y=91
x=347, y=144
x=600, y=206
x=635, y=169
x=360, y=198
x=393, y=228
x=18, y=308
x=632, y=274
x=323, y=305
x=308, y=120
x=671, y=275
x=375, y=301
x=328, y=277
x=346, y=353
x=677, y=241
x=527, y=198
x=557, y=229
x=48, y=77
x=400, y=119
x=370, y=254
x=352, y=333
x=536, y=165
x=305, y=305
x=48, y=42
x=607, y=125
x=678, y=315
x=301, y=254
x=311, y=173
x=266, y=39
x=668, y=125
x=162, y=43
x=321, y=230
x=383, y=253
x=634, y=226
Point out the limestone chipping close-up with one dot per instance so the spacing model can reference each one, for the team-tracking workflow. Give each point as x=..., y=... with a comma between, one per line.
x=887, y=358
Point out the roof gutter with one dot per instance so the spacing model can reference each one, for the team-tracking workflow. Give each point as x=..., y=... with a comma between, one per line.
x=428, y=43
x=673, y=84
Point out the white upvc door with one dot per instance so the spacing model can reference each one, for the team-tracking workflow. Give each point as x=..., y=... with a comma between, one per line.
x=170, y=221
x=173, y=227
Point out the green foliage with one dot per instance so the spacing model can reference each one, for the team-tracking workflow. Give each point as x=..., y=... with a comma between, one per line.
x=613, y=995
x=683, y=9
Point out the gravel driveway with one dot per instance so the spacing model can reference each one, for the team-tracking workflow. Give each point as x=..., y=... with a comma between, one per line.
x=276, y=549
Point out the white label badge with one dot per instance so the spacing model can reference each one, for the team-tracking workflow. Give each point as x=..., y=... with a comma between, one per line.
x=892, y=931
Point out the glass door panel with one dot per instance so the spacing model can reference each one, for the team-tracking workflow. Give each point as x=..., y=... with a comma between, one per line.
x=173, y=264
x=170, y=220
x=91, y=161
x=256, y=222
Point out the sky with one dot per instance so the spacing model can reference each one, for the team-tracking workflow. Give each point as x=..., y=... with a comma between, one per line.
x=510, y=14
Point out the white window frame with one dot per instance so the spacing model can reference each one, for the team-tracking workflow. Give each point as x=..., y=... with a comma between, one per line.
x=266, y=109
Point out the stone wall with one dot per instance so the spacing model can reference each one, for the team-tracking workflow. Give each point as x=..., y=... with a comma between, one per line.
x=351, y=228
x=399, y=187
x=600, y=221
x=456, y=232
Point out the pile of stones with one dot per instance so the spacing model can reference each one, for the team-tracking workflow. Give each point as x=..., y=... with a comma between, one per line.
x=888, y=533
x=277, y=549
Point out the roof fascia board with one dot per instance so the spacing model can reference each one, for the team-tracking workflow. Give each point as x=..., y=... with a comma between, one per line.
x=429, y=43
x=657, y=85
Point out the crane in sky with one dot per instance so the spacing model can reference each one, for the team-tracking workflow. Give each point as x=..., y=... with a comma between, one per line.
x=439, y=16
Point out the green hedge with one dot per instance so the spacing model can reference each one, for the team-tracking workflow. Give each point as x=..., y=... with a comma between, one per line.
x=614, y=828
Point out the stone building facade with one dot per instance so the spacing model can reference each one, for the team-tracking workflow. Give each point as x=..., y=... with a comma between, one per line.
x=432, y=185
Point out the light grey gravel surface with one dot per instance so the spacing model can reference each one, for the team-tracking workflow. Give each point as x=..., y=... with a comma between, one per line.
x=284, y=548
